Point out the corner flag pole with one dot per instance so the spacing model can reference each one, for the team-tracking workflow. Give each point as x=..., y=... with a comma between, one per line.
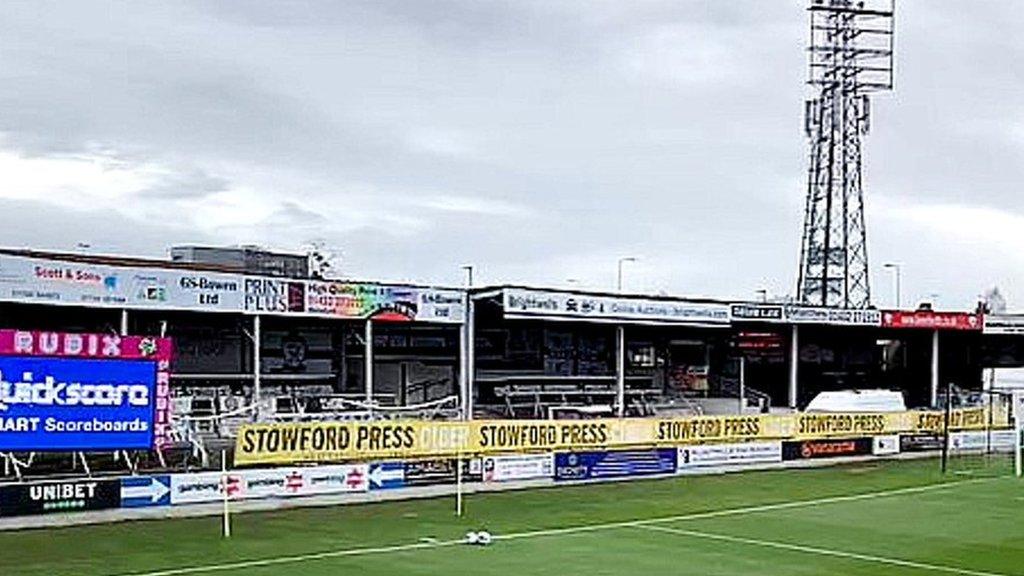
x=226, y=525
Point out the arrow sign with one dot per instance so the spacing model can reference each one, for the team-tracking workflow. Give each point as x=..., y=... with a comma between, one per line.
x=142, y=491
x=387, y=475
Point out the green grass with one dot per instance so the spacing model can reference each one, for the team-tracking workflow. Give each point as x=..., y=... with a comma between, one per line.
x=967, y=528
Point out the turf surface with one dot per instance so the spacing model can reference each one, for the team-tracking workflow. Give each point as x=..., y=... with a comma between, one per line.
x=974, y=526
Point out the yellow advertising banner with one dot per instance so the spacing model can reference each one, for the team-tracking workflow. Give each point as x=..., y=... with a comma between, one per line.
x=360, y=441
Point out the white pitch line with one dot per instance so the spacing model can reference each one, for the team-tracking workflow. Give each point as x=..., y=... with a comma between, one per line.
x=294, y=559
x=744, y=510
x=822, y=551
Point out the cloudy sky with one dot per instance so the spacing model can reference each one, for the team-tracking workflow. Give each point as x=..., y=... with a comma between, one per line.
x=538, y=140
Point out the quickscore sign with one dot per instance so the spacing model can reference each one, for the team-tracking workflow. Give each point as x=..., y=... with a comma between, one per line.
x=71, y=392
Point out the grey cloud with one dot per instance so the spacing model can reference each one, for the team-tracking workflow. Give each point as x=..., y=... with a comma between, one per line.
x=186, y=185
x=667, y=129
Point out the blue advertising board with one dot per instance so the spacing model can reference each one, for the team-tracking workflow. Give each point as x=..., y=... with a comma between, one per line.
x=387, y=475
x=74, y=404
x=145, y=491
x=595, y=465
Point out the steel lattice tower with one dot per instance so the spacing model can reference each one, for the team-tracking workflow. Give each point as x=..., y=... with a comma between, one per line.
x=851, y=56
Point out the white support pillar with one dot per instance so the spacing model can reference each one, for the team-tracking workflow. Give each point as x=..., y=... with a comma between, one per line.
x=743, y=385
x=620, y=371
x=463, y=367
x=466, y=337
x=463, y=360
x=124, y=322
x=470, y=357
x=257, y=363
x=368, y=354
x=794, y=366
x=935, y=369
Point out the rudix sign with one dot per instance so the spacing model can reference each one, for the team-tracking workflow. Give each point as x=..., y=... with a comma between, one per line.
x=83, y=392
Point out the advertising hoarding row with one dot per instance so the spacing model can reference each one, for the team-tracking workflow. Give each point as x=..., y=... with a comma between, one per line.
x=48, y=281
x=42, y=281
x=83, y=392
x=362, y=441
x=298, y=481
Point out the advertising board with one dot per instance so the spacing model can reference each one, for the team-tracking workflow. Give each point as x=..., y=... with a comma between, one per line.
x=886, y=445
x=830, y=448
x=931, y=320
x=715, y=455
x=977, y=440
x=832, y=316
x=821, y=424
x=518, y=467
x=384, y=302
x=387, y=475
x=60, y=282
x=555, y=305
x=440, y=471
x=83, y=392
x=1004, y=324
x=268, y=483
x=619, y=464
x=920, y=442
x=145, y=491
x=795, y=314
x=63, y=496
x=756, y=312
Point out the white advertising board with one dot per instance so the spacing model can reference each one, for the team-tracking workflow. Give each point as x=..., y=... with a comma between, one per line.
x=555, y=305
x=977, y=440
x=518, y=467
x=271, y=483
x=36, y=280
x=885, y=445
x=693, y=457
x=1003, y=324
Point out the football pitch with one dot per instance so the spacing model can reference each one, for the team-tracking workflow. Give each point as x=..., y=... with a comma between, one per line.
x=869, y=518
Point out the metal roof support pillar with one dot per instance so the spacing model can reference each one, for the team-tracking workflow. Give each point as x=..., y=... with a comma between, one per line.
x=620, y=371
x=794, y=366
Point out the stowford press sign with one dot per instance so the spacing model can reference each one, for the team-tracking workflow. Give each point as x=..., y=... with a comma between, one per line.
x=83, y=392
x=554, y=305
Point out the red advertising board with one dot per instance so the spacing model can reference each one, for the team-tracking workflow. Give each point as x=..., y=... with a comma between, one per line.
x=931, y=320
